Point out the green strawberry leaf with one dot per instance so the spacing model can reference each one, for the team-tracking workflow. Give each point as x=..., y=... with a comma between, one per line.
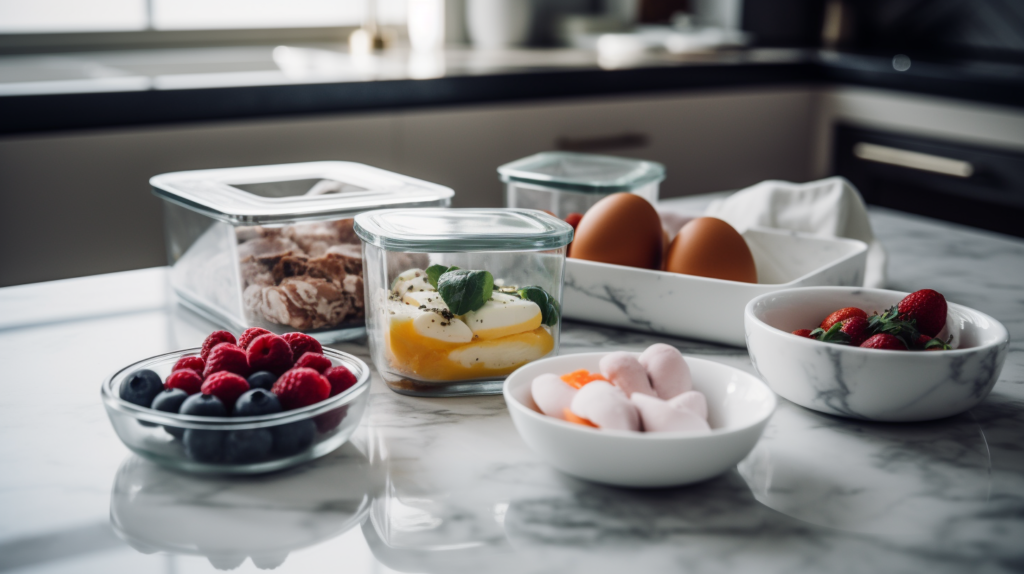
x=464, y=291
x=834, y=335
x=434, y=272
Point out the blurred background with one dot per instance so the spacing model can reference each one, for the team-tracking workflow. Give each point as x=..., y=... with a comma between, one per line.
x=919, y=103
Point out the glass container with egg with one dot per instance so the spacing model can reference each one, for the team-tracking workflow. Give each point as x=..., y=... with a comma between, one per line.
x=563, y=183
x=457, y=299
x=273, y=246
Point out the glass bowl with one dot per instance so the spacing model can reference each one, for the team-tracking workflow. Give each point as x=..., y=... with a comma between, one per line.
x=297, y=435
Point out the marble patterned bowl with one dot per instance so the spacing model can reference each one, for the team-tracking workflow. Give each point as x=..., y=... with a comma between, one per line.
x=871, y=384
x=739, y=407
x=297, y=436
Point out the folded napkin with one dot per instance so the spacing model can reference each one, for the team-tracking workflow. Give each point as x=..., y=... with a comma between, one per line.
x=830, y=207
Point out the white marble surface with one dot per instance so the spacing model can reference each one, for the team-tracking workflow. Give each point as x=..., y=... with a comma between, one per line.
x=445, y=485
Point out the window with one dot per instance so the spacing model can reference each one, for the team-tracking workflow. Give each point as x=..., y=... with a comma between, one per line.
x=58, y=16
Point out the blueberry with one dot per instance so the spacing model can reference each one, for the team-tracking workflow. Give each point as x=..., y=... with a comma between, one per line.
x=247, y=445
x=203, y=406
x=204, y=445
x=294, y=437
x=169, y=401
x=262, y=380
x=141, y=387
x=256, y=402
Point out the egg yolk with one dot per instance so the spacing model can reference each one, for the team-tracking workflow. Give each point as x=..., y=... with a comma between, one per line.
x=431, y=359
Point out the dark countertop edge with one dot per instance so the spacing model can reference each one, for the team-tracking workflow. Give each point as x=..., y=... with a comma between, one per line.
x=77, y=111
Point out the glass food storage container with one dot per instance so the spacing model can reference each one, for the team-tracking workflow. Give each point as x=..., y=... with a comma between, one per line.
x=273, y=247
x=568, y=182
x=459, y=298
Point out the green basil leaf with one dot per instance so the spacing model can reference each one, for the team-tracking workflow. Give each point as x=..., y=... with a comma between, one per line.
x=464, y=291
x=549, y=307
x=434, y=272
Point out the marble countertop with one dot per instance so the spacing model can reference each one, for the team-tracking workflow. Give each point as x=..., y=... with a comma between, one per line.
x=446, y=485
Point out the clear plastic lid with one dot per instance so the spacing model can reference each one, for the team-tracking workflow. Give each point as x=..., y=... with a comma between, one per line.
x=462, y=230
x=286, y=193
x=583, y=171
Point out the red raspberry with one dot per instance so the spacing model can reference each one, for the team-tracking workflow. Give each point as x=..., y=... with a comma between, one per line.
x=302, y=343
x=184, y=379
x=269, y=353
x=857, y=329
x=216, y=338
x=193, y=362
x=225, y=386
x=842, y=315
x=250, y=335
x=226, y=357
x=806, y=333
x=301, y=387
x=330, y=420
x=884, y=341
x=341, y=379
x=315, y=361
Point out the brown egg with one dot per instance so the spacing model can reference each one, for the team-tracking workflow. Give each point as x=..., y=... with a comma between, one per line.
x=622, y=229
x=710, y=247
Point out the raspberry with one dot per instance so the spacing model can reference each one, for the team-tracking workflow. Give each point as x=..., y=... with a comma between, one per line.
x=226, y=357
x=250, y=335
x=302, y=343
x=225, y=386
x=184, y=379
x=301, y=387
x=216, y=338
x=330, y=420
x=269, y=353
x=315, y=361
x=193, y=362
x=341, y=379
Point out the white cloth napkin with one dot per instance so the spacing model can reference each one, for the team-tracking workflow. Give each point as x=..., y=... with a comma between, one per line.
x=830, y=207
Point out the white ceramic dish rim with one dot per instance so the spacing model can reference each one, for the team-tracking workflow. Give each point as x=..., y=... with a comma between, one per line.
x=1003, y=334
x=863, y=248
x=232, y=423
x=639, y=436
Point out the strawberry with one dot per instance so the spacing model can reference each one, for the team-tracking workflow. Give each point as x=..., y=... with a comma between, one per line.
x=225, y=386
x=840, y=316
x=927, y=308
x=573, y=219
x=926, y=343
x=249, y=336
x=269, y=353
x=856, y=328
x=301, y=387
x=302, y=343
x=215, y=338
x=226, y=357
x=803, y=333
x=884, y=341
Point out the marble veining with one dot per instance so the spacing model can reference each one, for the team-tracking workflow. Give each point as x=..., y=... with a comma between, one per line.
x=446, y=485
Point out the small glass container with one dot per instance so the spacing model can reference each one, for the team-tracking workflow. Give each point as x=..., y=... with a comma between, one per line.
x=568, y=182
x=273, y=247
x=463, y=331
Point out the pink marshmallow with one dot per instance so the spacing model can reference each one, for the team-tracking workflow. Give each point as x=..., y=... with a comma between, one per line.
x=626, y=372
x=658, y=416
x=552, y=395
x=667, y=370
x=694, y=401
x=606, y=406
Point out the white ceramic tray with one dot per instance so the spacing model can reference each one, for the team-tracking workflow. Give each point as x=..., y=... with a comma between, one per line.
x=699, y=307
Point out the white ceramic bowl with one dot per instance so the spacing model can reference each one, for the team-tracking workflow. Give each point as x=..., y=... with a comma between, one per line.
x=700, y=307
x=739, y=406
x=871, y=384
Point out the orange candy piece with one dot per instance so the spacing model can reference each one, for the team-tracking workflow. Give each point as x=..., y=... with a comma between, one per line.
x=581, y=377
x=571, y=417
